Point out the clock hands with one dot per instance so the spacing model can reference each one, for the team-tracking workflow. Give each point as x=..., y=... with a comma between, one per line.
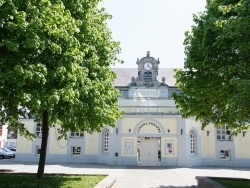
x=148, y=66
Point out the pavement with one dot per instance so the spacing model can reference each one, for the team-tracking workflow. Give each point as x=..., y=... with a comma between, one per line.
x=131, y=177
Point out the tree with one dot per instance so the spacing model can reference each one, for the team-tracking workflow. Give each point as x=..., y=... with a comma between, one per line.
x=55, y=58
x=215, y=81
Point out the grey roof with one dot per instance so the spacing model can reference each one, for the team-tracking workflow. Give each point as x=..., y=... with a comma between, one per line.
x=124, y=76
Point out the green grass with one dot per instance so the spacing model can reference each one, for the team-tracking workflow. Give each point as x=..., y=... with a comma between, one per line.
x=233, y=183
x=49, y=181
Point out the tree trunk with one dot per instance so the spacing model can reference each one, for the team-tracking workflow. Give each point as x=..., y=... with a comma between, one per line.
x=45, y=125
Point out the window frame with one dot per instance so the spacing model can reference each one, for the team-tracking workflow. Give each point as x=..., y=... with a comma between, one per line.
x=76, y=150
x=226, y=155
x=223, y=133
x=193, y=142
x=106, y=140
x=148, y=76
x=39, y=130
x=77, y=134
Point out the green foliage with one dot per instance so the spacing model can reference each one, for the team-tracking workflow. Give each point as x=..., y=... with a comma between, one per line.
x=56, y=56
x=232, y=183
x=53, y=181
x=215, y=81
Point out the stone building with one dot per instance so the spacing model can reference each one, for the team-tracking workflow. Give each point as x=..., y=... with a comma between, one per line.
x=152, y=131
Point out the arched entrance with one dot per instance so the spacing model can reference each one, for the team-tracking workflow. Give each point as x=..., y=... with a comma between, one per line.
x=149, y=143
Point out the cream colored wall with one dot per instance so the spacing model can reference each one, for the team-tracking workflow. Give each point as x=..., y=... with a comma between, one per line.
x=164, y=141
x=169, y=123
x=134, y=141
x=129, y=123
x=207, y=142
x=191, y=123
x=23, y=144
x=91, y=143
x=56, y=146
x=242, y=145
x=149, y=129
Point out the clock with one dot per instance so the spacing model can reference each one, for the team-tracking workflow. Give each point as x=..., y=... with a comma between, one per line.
x=148, y=66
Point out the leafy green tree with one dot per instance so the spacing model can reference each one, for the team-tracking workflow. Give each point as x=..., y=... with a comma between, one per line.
x=215, y=81
x=55, y=58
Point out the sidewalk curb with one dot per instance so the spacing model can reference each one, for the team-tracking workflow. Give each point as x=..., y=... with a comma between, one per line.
x=107, y=182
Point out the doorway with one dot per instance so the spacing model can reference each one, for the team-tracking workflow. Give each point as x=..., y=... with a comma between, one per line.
x=149, y=151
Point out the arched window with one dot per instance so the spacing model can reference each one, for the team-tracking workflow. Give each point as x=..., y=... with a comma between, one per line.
x=193, y=142
x=148, y=76
x=105, y=140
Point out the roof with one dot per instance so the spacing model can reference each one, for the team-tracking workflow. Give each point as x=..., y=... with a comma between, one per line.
x=124, y=76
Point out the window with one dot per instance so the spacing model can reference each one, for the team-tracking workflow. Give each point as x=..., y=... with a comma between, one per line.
x=124, y=93
x=76, y=150
x=77, y=134
x=39, y=130
x=148, y=76
x=106, y=140
x=225, y=154
x=1, y=130
x=12, y=134
x=10, y=144
x=38, y=150
x=192, y=142
x=223, y=133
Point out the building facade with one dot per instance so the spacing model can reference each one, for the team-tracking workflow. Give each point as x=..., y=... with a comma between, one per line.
x=152, y=131
x=8, y=137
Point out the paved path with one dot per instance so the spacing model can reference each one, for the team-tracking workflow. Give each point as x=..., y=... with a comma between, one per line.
x=144, y=177
x=133, y=177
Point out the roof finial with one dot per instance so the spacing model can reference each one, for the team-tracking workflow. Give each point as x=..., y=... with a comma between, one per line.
x=148, y=53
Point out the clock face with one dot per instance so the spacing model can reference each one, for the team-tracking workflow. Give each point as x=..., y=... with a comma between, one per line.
x=148, y=66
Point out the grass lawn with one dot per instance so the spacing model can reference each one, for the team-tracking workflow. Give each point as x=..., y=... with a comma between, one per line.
x=230, y=183
x=49, y=181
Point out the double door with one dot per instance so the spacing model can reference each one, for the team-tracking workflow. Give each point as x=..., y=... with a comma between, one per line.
x=149, y=152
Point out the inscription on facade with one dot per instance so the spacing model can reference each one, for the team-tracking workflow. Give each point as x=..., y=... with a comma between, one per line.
x=149, y=123
x=144, y=93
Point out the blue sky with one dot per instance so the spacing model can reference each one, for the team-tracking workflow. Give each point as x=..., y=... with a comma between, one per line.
x=157, y=26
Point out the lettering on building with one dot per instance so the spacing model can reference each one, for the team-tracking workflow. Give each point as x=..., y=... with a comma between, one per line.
x=149, y=123
x=144, y=93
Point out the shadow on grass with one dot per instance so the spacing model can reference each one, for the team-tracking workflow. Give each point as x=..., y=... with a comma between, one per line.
x=29, y=180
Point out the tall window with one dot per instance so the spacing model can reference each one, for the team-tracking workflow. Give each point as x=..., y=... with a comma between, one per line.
x=223, y=133
x=1, y=130
x=148, y=76
x=192, y=142
x=106, y=140
x=39, y=130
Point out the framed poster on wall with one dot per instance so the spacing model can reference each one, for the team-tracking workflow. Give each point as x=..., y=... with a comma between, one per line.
x=169, y=147
x=128, y=147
